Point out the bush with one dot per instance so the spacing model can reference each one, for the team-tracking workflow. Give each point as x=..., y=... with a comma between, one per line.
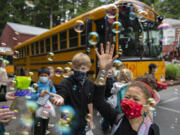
x=172, y=71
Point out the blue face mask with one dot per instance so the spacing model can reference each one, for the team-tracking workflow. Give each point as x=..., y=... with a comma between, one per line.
x=80, y=76
x=43, y=79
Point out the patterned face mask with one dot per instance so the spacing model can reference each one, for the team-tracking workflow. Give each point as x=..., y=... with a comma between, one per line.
x=131, y=108
x=80, y=76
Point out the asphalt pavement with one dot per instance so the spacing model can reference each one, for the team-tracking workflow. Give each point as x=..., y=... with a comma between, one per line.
x=168, y=111
x=167, y=115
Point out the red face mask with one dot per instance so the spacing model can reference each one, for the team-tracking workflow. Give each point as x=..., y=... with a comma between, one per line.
x=131, y=108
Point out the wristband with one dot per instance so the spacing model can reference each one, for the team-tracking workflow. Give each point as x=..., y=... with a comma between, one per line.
x=5, y=107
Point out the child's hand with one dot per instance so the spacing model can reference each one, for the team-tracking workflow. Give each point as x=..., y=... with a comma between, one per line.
x=6, y=115
x=57, y=99
x=44, y=92
x=106, y=58
x=10, y=95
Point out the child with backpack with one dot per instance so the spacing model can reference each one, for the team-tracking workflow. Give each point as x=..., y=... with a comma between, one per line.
x=42, y=97
x=119, y=88
x=135, y=119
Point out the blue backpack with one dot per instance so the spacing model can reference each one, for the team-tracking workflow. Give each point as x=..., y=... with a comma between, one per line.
x=120, y=96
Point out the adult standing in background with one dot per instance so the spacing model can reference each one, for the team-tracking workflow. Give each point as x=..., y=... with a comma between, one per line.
x=3, y=76
x=152, y=69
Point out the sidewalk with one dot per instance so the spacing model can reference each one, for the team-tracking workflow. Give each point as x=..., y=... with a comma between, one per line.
x=173, y=82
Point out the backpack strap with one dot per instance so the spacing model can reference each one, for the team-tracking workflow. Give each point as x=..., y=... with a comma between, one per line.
x=120, y=96
x=144, y=129
x=117, y=123
x=50, y=86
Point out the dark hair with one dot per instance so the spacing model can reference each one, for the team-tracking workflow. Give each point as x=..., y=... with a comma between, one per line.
x=152, y=65
x=22, y=72
x=1, y=61
x=148, y=79
x=143, y=87
x=43, y=70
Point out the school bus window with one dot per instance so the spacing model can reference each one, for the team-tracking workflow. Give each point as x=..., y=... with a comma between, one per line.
x=83, y=34
x=17, y=54
x=32, y=49
x=83, y=38
x=47, y=45
x=24, y=53
x=37, y=47
x=20, y=53
x=27, y=48
x=42, y=46
x=54, y=42
x=73, y=38
x=63, y=44
x=10, y=59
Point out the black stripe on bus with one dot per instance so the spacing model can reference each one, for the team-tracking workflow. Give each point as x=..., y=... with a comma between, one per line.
x=61, y=51
x=139, y=59
x=20, y=64
x=65, y=50
x=55, y=62
x=36, y=70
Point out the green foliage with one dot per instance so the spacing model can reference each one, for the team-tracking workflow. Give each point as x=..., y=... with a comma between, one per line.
x=172, y=71
x=166, y=8
x=60, y=11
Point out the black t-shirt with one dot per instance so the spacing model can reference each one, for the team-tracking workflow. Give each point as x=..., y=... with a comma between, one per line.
x=78, y=96
x=113, y=116
x=2, y=97
x=126, y=129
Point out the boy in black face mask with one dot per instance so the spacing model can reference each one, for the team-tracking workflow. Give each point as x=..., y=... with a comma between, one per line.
x=77, y=91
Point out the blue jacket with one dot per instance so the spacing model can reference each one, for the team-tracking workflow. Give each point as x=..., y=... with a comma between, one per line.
x=41, y=87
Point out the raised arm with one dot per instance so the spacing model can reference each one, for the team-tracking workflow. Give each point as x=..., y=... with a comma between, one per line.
x=105, y=61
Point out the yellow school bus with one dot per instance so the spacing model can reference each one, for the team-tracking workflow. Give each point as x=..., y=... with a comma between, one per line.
x=137, y=43
x=9, y=57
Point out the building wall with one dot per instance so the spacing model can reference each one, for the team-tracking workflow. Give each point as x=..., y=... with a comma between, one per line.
x=8, y=35
x=178, y=35
x=172, y=47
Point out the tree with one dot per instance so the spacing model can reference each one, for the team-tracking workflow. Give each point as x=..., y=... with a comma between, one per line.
x=166, y=8
x=3, y=14
x=13, y=11
x=54, y=12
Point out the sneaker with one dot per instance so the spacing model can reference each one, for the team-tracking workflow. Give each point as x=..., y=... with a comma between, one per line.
x=50, y=125
x=47, y=132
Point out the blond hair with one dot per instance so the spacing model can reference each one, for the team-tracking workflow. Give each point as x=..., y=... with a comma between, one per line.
x=51, y=68
x=125, y=76
x=81, y=59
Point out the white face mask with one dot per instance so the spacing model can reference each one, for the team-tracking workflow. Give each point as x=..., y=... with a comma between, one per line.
x=43, y=79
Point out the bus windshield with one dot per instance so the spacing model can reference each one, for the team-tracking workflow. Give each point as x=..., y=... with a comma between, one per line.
x=152, y=44
x=140, y=43
x=9, y=58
